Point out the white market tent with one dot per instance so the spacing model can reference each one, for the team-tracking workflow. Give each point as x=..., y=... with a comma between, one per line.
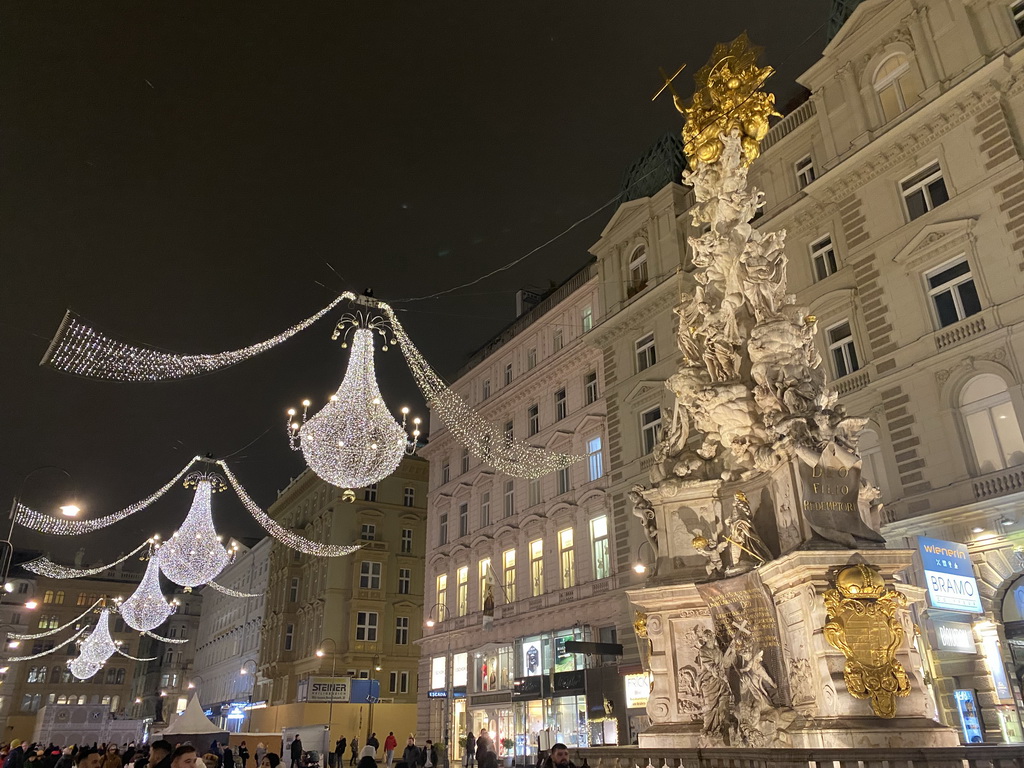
x=193, y=727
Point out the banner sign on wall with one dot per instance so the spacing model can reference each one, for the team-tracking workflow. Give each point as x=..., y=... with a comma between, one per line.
x=953, y=636
x=949, y=575
x=328, y=689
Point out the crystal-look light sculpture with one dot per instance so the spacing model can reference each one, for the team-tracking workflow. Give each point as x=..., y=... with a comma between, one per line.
x=354, y=441
x=194, y=554
x=146, y=609
x=95, y=649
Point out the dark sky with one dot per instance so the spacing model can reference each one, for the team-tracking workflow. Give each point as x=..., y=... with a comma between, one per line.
x=181, y=174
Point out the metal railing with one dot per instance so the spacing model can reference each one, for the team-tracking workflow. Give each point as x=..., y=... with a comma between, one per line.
x=1002, y=756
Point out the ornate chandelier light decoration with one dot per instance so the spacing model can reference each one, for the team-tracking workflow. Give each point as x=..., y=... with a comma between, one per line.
x=79, y=349
x=194, y=554
x=94, y=651
x=147, y=609
x=354, y=441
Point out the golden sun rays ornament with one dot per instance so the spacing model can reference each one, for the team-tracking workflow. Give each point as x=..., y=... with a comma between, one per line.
x=862, y=623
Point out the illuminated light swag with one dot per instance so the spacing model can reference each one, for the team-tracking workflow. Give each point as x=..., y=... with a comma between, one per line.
x=55, y=630
x=173, y=640
x=81, y=350
x=48, y=651
x=228, y=591
x=46, y=567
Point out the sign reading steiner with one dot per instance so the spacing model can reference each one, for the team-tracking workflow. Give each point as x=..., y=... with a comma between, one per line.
x=949, y=574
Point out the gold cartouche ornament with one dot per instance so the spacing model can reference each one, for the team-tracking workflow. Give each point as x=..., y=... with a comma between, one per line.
x=862, y=623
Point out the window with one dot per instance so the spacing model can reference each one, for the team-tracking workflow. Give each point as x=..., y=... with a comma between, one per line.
x=537, y=566
x=823, y=254
x=369, y=574
x=953, y=292
x=992, y=424
x=30, y=702
x=563, y=480
x=508, y=374
x=587, y=318
x=567, y=558
x=510, y=431
x=23, y=588
x=442, y=530
x=531, y=358
x=923, y=191
x=599, y=542
x=556, y=340
x=442, y=595
x=368, y=532
x=872, y=463
x=399, y=682
x=595, y=462
x=406, y=541
x=533, y=420
x=484, y=567
x=590, y=387
x=393, y=682
x=409, y=497
x=402, y=630
x=48, y=596
x=650, y=430
x=485, y=389
x=462, y=590
x=485, y=508
x=1017, y=9
x=897, y=85
x=842, y=350
x=463, y=519
x=83, y=599
x=533, y=486
x=561, y=405
x=371, y=492
x=366, y=626
x=645, y=354
x=289, y=636
x=59, y=597
x=293, y=590
x=637, y=271
x=804, y=172
x=446, y=472
x=404, y=580
x=508, y=568
x=464, y=461
x=510, y=498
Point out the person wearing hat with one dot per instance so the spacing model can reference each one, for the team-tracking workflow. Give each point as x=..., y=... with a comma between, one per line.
x=16, y=757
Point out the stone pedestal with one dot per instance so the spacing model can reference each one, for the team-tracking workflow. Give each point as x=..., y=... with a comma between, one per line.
x=813, y=707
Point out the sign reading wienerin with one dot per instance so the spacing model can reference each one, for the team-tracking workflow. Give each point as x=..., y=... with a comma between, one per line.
x=949, y=575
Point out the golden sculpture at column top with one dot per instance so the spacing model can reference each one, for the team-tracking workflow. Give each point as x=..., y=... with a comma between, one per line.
x=862, y=623
x=728, y=97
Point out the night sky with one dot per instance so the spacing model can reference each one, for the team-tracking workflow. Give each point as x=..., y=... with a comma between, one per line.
x=187, y=174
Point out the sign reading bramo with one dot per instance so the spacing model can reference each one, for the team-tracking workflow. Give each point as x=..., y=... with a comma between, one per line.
x=330, y=689
x=949, y=574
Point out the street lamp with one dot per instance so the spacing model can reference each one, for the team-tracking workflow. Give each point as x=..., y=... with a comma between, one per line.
x=252, y=688
x=370, y=698
x=445, y=616
x=320, y=653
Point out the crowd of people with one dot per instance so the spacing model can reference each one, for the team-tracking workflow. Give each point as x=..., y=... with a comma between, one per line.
x=159, y=754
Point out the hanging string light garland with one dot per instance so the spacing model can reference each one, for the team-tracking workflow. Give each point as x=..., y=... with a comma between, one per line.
x=147, y=609
x=55, y=630
x=228, y=591
x=48, y=651
x=172, y=640
x=46, y=567
x=63, y=527
x=81, y=350
x=135, y=658
x=194, y=554
x=283, y=535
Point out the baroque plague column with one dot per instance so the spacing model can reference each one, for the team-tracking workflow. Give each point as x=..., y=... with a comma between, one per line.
x=771, y=621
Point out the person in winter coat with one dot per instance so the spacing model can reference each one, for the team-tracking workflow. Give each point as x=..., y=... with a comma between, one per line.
x=470, y=749
x=111, y=758
x=354, y=746
x=390, y=744
x=16, y=757
x=296, y=751
x=428, y=755
x=411, y=753
x=261, y=751
x=339, y=751
x=243, y=754
x=484, y=744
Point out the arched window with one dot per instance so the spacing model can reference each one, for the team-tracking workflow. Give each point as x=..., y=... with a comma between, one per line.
x=115, y=702
x=82, y=699
x=873, y=466
x=48, y=596
x=897, y=84
x=991, y=423
x=111, y=675
x=59, y=597
x=55, y=675
x=62, y=699
x=638, y=270
x=120, y=676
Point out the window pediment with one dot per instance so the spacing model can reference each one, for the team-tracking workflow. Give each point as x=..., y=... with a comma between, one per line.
x=937, y=242
x=643, y=390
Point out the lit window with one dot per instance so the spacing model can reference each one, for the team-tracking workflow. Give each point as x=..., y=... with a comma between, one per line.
x=650, y=429
x=992, y=424
x=645, y=353
x=508, y=374
x=59, y=598
x=533, y=419
x=561, y=405
x=567, y=558
x=924, y=191
x=587, y=317
x=637, y=271
x=508, y=567
x=463, y=519
x=369, y=574
x=804, y=172
x=897, y=85
x=409, y=497
x=371, y=492
x=402, y=630
x=599, y=541
x=442, y=595
x=366, y=626
x=823, y=254
x=464, y=461
x=462, y=590
x=485, y=508
x=48, y=596
x=442, y=528
x=406, y=541
x=368, y=532
x=531, y=358
x=510, y=498
x=595, y=461
x=590, y=387
x=953, y=292
x=404, y=580
x=842, y=350
x=537, y=566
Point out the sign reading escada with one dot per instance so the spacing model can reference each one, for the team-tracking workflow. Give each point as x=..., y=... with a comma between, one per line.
x=949, y=575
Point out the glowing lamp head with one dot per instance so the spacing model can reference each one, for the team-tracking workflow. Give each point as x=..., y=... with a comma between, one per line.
x=31, y=604
x=306, y=403
x=138, y=700
x=70, y=510
x=13, y=643
x=377, y=667
x=430, y=622
x=320, y=653
x=191, y=685
x=8, y=587
x=640, y=568
x=291, y=411
x=244, y=671
x=977, y=529
x=405, y=411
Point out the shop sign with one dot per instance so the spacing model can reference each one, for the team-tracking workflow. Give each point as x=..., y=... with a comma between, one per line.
x=970, y=720
x=568, y=683
x=638, y=689
x=438, y=678
x=460, y=669
x=329, y=689
x=437, y=694
x=954, y=636
x=527, y=687
x=532, y=657
x=996, y=668
x=949, y=574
